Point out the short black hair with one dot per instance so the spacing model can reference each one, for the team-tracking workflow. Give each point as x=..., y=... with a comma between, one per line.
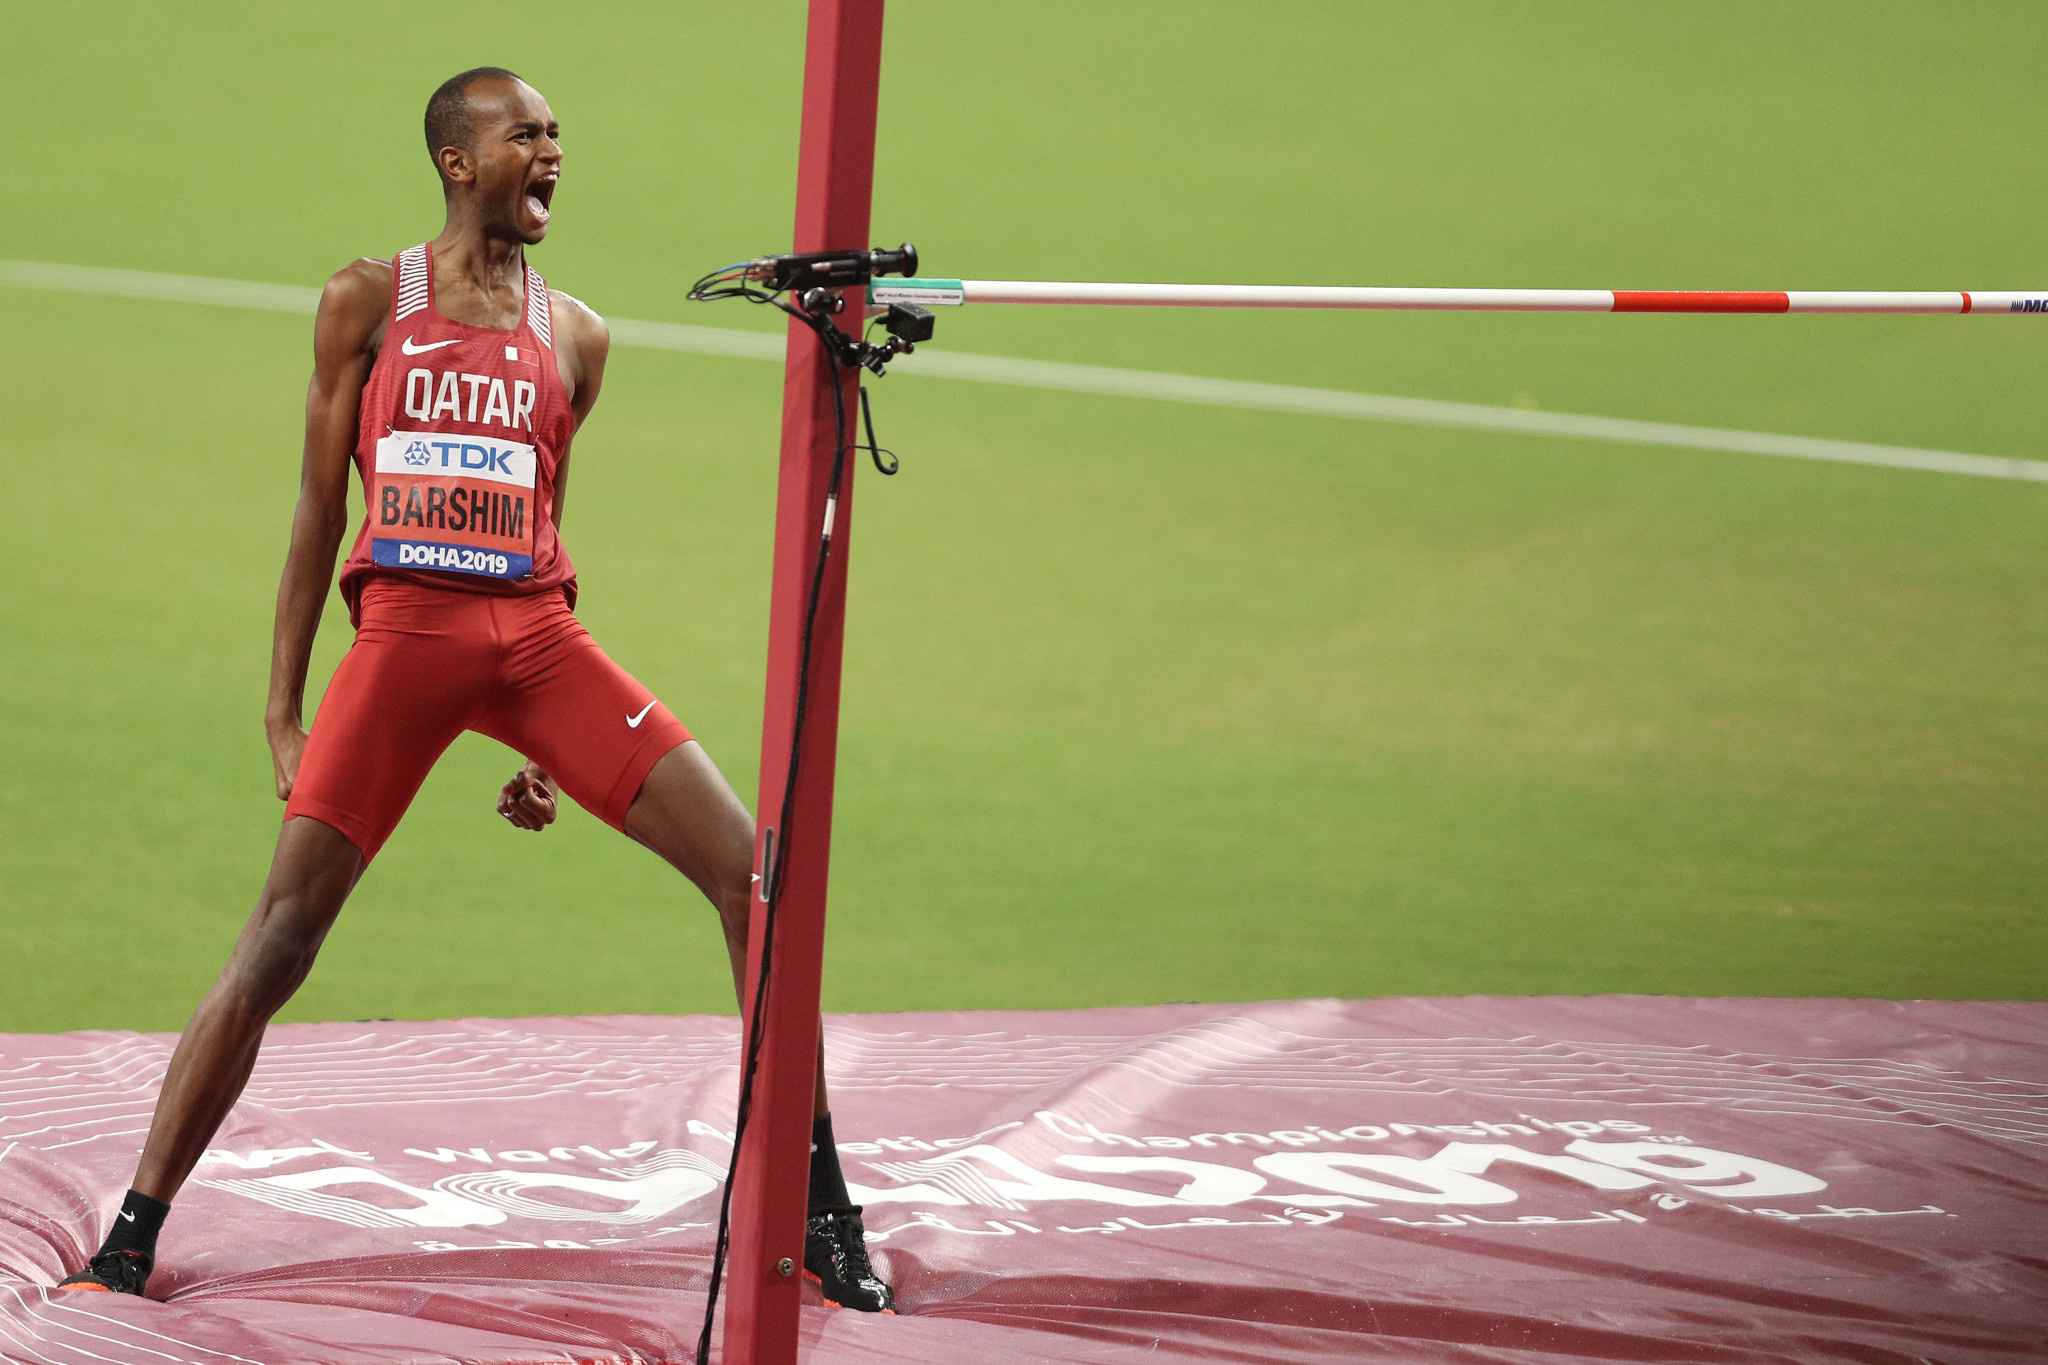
x=450, y=122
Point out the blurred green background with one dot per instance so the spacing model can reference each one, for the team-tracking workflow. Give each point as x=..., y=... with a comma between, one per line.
x=1144, y=702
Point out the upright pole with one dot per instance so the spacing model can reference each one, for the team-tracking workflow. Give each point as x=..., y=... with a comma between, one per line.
x=835, y=177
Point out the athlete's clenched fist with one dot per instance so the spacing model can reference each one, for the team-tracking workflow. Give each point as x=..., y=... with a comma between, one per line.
x=528, y=800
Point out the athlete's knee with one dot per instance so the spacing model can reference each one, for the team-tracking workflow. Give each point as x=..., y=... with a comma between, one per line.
x=259, y=981
x=726, y=877
x=735, y=902
x=275, y=954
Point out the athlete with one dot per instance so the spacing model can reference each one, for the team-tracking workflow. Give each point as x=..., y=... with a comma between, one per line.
x=454, y=379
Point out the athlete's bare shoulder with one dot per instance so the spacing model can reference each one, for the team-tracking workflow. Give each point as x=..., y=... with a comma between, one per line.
x=353, y=306
x=364, y=283
x=584, y=341
x=579, y=320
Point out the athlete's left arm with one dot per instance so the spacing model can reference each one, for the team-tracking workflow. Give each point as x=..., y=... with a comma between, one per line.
x=582, y=342
x=585, y=343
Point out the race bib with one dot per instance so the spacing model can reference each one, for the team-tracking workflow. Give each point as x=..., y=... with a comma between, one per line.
x=463, y=503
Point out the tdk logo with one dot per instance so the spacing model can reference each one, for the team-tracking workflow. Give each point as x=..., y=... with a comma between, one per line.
x=2030, y=305
x=436, y=456
x=485, y=459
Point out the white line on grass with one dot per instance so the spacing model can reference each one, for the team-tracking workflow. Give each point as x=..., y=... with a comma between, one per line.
x=1102, y=379
x=1374, y=407
x=144, y=284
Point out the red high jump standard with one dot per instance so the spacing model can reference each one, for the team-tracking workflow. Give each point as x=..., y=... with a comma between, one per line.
x=1423, y=1180
x=835, y=177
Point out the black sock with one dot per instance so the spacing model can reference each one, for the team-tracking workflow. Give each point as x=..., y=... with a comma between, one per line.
x=828, y=1184
x=136, y=1226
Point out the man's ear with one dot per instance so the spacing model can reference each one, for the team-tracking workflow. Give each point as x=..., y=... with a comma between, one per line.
x=457, y=166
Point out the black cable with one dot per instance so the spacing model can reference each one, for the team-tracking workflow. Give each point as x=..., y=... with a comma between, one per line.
x=867, y=417
x=771, y=872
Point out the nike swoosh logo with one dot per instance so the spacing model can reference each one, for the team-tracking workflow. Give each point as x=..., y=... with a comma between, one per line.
x=128, y=1217
x=411, y=349
x=633, y=722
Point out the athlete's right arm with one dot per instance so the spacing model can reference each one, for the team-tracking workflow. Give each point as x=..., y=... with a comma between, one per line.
x=346, y=334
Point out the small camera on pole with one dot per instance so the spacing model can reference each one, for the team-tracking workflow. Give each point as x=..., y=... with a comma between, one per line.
x=801, y=270
x=908, y=323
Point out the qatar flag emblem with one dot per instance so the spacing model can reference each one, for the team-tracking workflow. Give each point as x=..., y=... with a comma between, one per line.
x=523, y=356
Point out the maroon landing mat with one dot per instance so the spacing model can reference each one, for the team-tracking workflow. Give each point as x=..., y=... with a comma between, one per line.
x=1477, y=1179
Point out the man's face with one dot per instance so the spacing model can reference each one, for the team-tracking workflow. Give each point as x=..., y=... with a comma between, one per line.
x=517, y=157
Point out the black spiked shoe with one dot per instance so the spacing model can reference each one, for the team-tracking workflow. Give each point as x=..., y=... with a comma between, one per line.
x=113, y=1272
x=836, y=1256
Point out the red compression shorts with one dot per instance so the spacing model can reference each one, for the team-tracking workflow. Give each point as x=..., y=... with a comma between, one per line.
x=428, y=664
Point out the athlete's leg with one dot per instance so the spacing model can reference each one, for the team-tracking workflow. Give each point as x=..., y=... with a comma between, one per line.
x=419, y=668
x=688, y=813
x=313, y=871
x=625, y=758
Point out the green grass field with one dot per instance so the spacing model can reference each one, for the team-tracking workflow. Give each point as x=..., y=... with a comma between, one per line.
x=1144, y=702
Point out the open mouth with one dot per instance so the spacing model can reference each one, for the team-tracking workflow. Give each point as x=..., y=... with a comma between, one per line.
x=540, y=195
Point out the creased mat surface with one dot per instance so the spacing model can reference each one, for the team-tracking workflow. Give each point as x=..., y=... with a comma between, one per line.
x=1471, y=1179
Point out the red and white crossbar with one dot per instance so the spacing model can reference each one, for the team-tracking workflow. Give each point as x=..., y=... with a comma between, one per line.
x=929, y=292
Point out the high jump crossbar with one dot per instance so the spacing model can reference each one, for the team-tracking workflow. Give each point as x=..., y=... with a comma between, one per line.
x=951, y=293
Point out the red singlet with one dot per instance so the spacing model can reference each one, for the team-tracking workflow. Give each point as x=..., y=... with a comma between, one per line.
x=459, y=439
x=459, y=588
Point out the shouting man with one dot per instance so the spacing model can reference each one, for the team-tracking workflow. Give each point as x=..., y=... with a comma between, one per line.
x=454, y=379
